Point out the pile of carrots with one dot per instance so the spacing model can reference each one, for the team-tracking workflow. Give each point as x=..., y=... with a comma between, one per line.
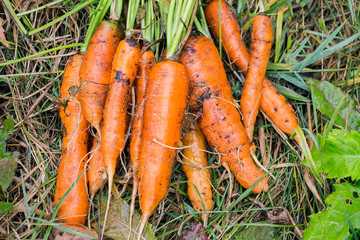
x=180, y=103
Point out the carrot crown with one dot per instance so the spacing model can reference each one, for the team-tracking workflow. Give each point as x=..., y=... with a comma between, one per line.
x=176, y=15
x=98, y=15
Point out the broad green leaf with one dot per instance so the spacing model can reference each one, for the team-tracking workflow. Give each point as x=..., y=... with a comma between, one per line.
x=339, y=156
x=7, y=170
x=5, y=207
x=117, y=223
x=6, y=129
x=326, y=97
x=342, y=215
x=257, y=232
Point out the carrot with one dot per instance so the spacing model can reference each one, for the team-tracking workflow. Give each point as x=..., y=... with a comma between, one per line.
x=166, y=94
x=146, y=62
x=271, y=101
x=220, y=120
x=113, y=128
x=163, y=114
x=260, y=48
x=95, y=71
x=199, y=184
x=96, y=168
x=74, y=208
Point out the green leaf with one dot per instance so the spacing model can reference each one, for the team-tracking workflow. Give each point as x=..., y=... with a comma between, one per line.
x=6, y=130
x=257, y=232
x=289, y=93
x=117, y=223
x=7, y=170
x=5, y=207
x=326, y=97
x=339, y=156
x=341, y=216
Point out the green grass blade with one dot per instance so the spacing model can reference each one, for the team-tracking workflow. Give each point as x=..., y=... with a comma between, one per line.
x=318, y=51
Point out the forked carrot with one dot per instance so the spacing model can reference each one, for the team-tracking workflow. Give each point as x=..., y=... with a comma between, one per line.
x=219, y=119
x=73, y=209
x=271, y=101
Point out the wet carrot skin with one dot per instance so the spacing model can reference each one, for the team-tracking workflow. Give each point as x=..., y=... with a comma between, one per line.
x=198, y=179
x=260, y=48
x=271, y=101
x=124, y=70
x=165, y=104
x=146, y=62
x=74, y=150
x=96, y=69
x=219, y=119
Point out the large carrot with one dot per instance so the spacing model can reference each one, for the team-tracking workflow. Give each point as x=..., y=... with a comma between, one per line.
x=164, y=109
x=271, y=101
x=219, y=119
x=74, y=208
x=199, y=184
x=163, y=114
x=261, y=37
x=96, y=168
x=95, y=71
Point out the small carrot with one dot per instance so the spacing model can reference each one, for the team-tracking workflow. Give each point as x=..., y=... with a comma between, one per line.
x=95, y=71
x=73, y=209
x=220, y=120
x=96, y=168
x=146, y=62
x=199, y=184
x=271, y=101
x=261, y=37
x=113, y=128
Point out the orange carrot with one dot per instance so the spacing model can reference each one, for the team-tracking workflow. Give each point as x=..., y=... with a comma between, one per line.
x=260, y=48
x=74, y=208
x=146, y=62
x=164, y=108
x=199, y=184
x=96, y=168
x=271, y=101
x=220, y=119
x=113, y=128
x=95, y=71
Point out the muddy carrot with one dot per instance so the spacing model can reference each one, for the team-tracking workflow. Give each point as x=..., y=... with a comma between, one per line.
x=73, y=209
x=220, y=120
x=271, y=101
